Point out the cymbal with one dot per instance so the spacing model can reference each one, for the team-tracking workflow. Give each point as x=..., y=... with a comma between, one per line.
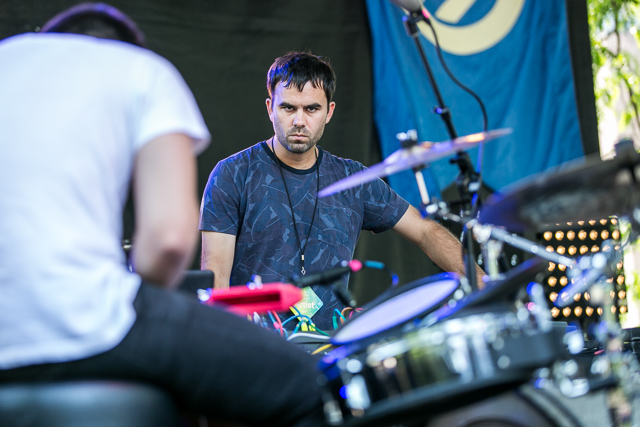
x=413, y=157
x=584, y=189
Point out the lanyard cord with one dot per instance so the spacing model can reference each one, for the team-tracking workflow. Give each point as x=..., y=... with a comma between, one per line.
x=315, y=207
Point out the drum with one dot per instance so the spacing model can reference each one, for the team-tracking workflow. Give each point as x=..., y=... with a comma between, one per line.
x=429, y=370
x=529, y=406
x=399, y=306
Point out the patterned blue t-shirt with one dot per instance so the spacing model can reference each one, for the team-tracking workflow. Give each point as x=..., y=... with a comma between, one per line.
x=245, y=196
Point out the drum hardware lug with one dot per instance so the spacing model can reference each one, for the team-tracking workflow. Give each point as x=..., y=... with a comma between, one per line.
x=483, y=356
x=574, y=341
x=460, y=359
x=457, y=296
x=567, y=378
x=574, y=388
x=540, y=309
x=332, y=412
x=465, y=286
x=357, y=396
x=503, y=362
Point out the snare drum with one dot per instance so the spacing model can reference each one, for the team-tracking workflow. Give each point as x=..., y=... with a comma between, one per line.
x=426, y=371
x=399, y=306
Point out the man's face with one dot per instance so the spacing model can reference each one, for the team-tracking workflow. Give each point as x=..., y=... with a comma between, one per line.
x=299, y=117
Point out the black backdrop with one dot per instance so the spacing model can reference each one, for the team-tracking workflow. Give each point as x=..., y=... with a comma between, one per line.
x=224, y=48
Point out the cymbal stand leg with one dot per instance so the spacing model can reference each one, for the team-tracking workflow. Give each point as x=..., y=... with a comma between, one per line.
x=439, y=208
x=424, y=193
x=622, y=366
x=491, y=249
x=408, y=140
x=490, y=252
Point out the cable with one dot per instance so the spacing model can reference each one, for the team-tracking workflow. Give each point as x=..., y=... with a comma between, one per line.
x=277, y=323
x=296, y=328
x=345, y=310
x=319, y=349
x=320, y=331
x=485, y=120
x=306, y=319
x=380, y=266
x=335, y=318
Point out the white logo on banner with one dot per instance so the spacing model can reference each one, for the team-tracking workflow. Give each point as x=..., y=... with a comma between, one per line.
x=476, y=37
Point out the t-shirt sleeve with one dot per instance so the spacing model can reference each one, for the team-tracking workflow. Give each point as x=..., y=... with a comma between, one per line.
x=383, y=207
x=164, y=104
x=221, y=202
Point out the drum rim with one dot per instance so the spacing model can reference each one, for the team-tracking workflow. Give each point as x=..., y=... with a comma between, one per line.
x=389, y=296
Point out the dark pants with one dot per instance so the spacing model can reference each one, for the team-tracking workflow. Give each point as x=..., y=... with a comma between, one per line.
x=214, y=363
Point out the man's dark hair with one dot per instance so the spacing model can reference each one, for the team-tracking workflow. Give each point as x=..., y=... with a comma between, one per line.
x=98, y=20
x=298, y=68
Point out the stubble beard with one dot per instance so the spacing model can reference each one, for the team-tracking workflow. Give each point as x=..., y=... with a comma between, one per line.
x=298, y=147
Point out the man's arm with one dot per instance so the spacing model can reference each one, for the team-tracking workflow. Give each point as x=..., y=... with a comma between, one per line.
x=164, y=194
x=435, y=241
x=218, y=250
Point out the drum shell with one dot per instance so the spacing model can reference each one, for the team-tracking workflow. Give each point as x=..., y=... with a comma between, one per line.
x=430, y=370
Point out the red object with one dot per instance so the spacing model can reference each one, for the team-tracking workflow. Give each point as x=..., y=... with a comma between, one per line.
x=269, y=297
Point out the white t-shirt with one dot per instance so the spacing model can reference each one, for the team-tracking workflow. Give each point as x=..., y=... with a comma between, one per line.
x=74, y=111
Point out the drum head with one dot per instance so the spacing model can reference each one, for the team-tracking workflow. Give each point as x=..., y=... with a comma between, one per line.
x=398, y=307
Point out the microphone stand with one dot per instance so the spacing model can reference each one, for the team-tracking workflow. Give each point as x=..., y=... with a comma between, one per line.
x=467, y=179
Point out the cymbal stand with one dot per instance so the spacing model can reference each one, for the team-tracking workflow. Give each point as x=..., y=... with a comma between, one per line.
x=467, y=175
x=484, y=233
x=615, y=367
x=621, y=367
x=408, y=140
x=615, y=370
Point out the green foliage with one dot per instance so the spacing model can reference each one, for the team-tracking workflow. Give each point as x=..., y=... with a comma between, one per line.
x=608, y=20
x=633, y=285
x=632, y=278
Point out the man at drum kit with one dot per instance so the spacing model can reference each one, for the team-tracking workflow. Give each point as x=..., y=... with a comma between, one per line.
x=261, y=214
x=85, y=110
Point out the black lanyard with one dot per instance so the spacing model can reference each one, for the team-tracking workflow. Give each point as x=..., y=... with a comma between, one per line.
x=315, y=207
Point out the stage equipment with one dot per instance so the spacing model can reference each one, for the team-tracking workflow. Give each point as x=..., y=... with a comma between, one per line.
x=413, y=376
x=397, y=306
x=413, y=156
x=258, y=298
x=581, y=192
x=594, y=242
x=585, y=189
x=444, y=353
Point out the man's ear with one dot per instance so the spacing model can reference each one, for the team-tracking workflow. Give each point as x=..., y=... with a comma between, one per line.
x=332, y=106
x=269, y=106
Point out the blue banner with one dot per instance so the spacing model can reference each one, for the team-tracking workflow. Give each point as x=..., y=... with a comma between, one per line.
x=514, y=54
